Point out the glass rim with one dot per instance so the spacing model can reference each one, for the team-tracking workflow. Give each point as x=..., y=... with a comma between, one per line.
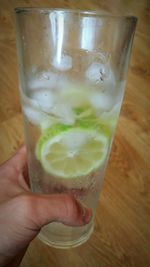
x=77, y=11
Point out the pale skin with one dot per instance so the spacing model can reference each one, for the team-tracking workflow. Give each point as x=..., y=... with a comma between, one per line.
x=22, y=213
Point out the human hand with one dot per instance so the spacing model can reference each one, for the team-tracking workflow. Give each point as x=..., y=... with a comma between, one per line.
x=22, y=213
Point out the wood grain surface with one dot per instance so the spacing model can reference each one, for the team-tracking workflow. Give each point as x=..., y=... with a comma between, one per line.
x=122, y=226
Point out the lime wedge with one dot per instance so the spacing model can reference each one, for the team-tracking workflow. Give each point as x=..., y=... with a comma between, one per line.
x=70, y=152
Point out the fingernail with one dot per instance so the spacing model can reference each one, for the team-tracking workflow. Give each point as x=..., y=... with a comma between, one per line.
x=86, y=214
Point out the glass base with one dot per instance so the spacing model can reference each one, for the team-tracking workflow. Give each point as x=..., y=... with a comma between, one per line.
x=67, y=244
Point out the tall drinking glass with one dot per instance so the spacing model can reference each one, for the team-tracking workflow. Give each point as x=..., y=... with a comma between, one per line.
x=73, y=67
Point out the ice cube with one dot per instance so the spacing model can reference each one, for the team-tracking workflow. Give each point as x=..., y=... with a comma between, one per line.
x=43, y=80
x=93, y=72
x=75, y=94
x=28, y=101
x=45, y=99
x=35, y=116
x=99, y=73
x=102, y=101
x=63, y=64
x=64, y=113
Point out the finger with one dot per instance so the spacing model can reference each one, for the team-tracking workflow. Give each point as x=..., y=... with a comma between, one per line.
x=59, y=207
x=19, y=160
x=14, y=175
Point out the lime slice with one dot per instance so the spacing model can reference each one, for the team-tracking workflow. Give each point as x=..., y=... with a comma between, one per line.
x=73, y=152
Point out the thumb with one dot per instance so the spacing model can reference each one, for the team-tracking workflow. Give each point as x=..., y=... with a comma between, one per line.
x=57, y=207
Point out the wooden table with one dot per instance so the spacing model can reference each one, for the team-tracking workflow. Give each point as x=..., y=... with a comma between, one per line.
x=122, y=227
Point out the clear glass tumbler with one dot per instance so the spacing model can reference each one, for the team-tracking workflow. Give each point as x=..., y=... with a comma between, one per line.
x=73, y=67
